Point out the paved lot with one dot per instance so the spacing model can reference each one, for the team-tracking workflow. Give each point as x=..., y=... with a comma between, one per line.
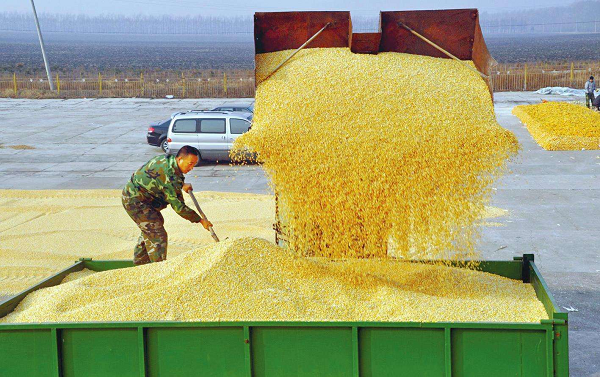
x=98, y=143
x=553, y=197
x=554, y=203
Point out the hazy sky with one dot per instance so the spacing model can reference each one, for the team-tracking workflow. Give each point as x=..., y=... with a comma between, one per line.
x=232, y=7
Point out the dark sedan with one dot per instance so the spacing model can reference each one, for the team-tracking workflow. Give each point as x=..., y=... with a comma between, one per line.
x=157, y=134
x=237, y=107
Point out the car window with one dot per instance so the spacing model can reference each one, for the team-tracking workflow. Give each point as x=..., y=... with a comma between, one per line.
x=226, y=109
x=165, y=123
x=238, y=126
x=184, y=126
x=212, y=126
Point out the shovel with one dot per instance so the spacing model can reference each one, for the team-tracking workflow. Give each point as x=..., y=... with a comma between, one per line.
x=203, y=216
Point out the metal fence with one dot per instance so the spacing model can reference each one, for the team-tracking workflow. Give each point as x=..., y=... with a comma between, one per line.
x=533, y=76
x=222, y=86
x=240, y=84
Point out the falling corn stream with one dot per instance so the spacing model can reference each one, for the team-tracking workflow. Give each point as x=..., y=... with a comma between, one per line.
x=377, y=155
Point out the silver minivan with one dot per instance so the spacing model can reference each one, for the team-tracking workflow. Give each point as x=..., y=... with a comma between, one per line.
x=211, y=132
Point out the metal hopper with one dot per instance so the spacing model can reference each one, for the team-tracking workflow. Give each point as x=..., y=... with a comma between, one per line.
x=455, y=31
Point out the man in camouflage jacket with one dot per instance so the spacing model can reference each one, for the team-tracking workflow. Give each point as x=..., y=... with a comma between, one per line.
x=154, y=186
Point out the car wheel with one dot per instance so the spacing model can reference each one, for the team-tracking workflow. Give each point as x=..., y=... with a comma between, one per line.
x=164, y=145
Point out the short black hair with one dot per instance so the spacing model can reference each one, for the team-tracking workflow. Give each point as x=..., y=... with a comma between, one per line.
x=187, y=150
x=591, y=77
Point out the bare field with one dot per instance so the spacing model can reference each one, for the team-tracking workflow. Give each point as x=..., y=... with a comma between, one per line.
x=20, y=52
x=544, y=47
x=68, y=53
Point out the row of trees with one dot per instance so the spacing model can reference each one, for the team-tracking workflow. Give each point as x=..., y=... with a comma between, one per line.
x=583, y=16
x=142, y=24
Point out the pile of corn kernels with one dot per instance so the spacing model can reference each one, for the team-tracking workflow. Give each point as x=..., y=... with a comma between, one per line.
x=372, y=155
x=45, y=231
x=250, y=279
x=560, y=126
x=77, y=275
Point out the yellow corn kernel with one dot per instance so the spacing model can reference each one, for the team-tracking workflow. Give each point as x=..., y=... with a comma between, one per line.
x=376, y=155
x=250, y=279
x=559, y=126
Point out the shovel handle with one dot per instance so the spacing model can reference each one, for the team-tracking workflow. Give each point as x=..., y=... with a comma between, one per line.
x=213, y=234
x=203, y=216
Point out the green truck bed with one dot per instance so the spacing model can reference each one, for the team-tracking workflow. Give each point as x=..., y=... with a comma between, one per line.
x=289, y=348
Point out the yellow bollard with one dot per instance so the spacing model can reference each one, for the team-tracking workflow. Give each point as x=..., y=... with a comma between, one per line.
x=57, y=84
x=142, y=81
x=15, y=83
x=571, y=73
x=99, y=84
x=225, y=83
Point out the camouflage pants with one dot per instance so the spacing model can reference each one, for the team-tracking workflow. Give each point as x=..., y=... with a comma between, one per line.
x=152, y=244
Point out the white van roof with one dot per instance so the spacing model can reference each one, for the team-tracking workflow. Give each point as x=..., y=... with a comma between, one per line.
x=195, y=114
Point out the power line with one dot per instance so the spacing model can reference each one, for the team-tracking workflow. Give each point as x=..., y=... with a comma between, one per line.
x=233, y=7
x=128, y=33
x=542, y=24
x=545, y=6
x=251, y=32
x=170, y=4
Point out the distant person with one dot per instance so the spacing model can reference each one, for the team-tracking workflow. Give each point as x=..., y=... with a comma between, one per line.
x=590, y=87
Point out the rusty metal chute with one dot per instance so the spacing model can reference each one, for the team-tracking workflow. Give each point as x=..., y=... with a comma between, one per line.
x=455, y=30
x=277, y=31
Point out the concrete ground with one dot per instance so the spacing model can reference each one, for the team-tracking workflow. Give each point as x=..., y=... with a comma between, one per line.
x=553, y=197
x=98, y=143
x=554, y=203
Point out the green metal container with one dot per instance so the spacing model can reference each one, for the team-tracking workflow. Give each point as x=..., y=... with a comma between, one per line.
x=289, y=348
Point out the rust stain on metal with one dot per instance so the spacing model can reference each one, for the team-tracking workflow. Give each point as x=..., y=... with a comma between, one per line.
x=277, y=31
x=365, y=43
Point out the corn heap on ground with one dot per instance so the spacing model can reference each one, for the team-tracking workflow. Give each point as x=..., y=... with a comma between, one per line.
x=43, y=232
x=250, y=279
x=559, y=126
x=370, y=153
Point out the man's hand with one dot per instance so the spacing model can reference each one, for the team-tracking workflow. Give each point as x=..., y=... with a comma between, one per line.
x=187, y=187
x=205, y=223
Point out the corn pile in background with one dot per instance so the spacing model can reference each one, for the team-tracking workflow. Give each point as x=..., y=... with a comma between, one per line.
x=370, y=153
x=43, y=232
x=558, y=126
x=250, y=279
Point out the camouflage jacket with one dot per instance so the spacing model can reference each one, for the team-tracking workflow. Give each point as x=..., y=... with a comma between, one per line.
x=158, y=183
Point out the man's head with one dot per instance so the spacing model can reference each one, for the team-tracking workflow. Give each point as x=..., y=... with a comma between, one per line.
x=187, y=158
x=591, y=78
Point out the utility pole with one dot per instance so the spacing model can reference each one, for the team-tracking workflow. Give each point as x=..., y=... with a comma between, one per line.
x=39, y=31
